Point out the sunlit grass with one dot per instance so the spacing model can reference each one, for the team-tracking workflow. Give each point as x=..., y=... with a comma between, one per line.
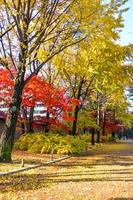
x=88, y=177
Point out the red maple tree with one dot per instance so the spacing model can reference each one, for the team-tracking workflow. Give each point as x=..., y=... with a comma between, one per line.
x=56, y=105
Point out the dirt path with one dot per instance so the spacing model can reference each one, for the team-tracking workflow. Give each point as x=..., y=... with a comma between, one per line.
x=104, y=174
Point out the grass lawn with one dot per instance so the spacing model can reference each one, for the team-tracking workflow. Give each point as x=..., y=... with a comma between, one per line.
x=104, y=173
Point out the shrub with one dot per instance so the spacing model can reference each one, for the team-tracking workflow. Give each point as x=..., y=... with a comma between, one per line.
x=104, y=138
x=78, y=145
x=52, y=143
x=23, y=142
x=112, y=139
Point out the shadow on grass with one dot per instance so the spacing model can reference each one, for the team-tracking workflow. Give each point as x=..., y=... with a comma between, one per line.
x=90, y=173
x=121, y=199
x=25, y=182
x=101, y=159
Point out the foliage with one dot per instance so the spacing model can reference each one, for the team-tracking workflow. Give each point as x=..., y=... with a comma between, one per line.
x=96, y=65
x=52, y=143
x=53, y=101
x=109, y=138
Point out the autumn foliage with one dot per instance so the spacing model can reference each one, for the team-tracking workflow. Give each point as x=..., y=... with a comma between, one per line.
x=53, y=100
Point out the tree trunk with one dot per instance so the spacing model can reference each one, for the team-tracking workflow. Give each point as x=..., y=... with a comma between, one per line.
x=84, y=130
x=93, y=136
x=98, y=118
x=46, y=128
x=25, y=119
x=28, y=120
x=7, y=136
x=98, y=136
x=113, y=134
x=30, y=123
x=74, y=127
x=77, y=108
x=104, y=123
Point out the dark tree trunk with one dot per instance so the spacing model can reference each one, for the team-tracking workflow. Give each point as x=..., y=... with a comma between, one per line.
x=7, y=136
x=113, y=134
x=84, y=130
x=104, y=123
x=25, y=119
x=30, y=121
x=93, y=136
x=77, y=108
x=46, y=128
x=98, y=136
x=98, y=118
x=74, y=127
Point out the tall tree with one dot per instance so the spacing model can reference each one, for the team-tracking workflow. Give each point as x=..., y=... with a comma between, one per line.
x=36, y=28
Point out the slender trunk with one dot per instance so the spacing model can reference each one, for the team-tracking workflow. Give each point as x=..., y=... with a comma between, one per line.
x=104, y=122
x=113, y=134
x=25, y=123
x=7, y=136
x=28, y=120
x=114, y=121
x=98, y=118
x=98, y=136
x=77, y=108
x=74, y=127
x=93, y=136
x=23, y=128
x=46, y=128
x=84, y=130
x=30, y=123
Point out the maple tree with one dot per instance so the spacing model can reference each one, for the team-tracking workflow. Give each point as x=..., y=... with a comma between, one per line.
x=55, y=104
x=39, y=30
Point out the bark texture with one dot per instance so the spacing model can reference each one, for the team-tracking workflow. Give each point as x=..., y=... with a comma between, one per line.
x=7, y=136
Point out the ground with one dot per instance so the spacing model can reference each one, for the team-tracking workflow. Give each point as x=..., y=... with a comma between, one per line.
x=102, y=174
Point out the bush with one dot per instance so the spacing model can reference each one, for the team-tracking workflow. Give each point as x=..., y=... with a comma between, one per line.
x=104, y=138
x=112, y=139
x=23, y=142
x=78, y=145
x=52, y=143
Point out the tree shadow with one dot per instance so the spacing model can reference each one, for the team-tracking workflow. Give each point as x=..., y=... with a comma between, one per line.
x=125, y=160
x=121, y=199
x=25, y=182
x=40, y=179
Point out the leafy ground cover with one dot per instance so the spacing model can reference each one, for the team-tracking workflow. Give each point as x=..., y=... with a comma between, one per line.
x=53, y=143
x=29, y=160
x=104, y=173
